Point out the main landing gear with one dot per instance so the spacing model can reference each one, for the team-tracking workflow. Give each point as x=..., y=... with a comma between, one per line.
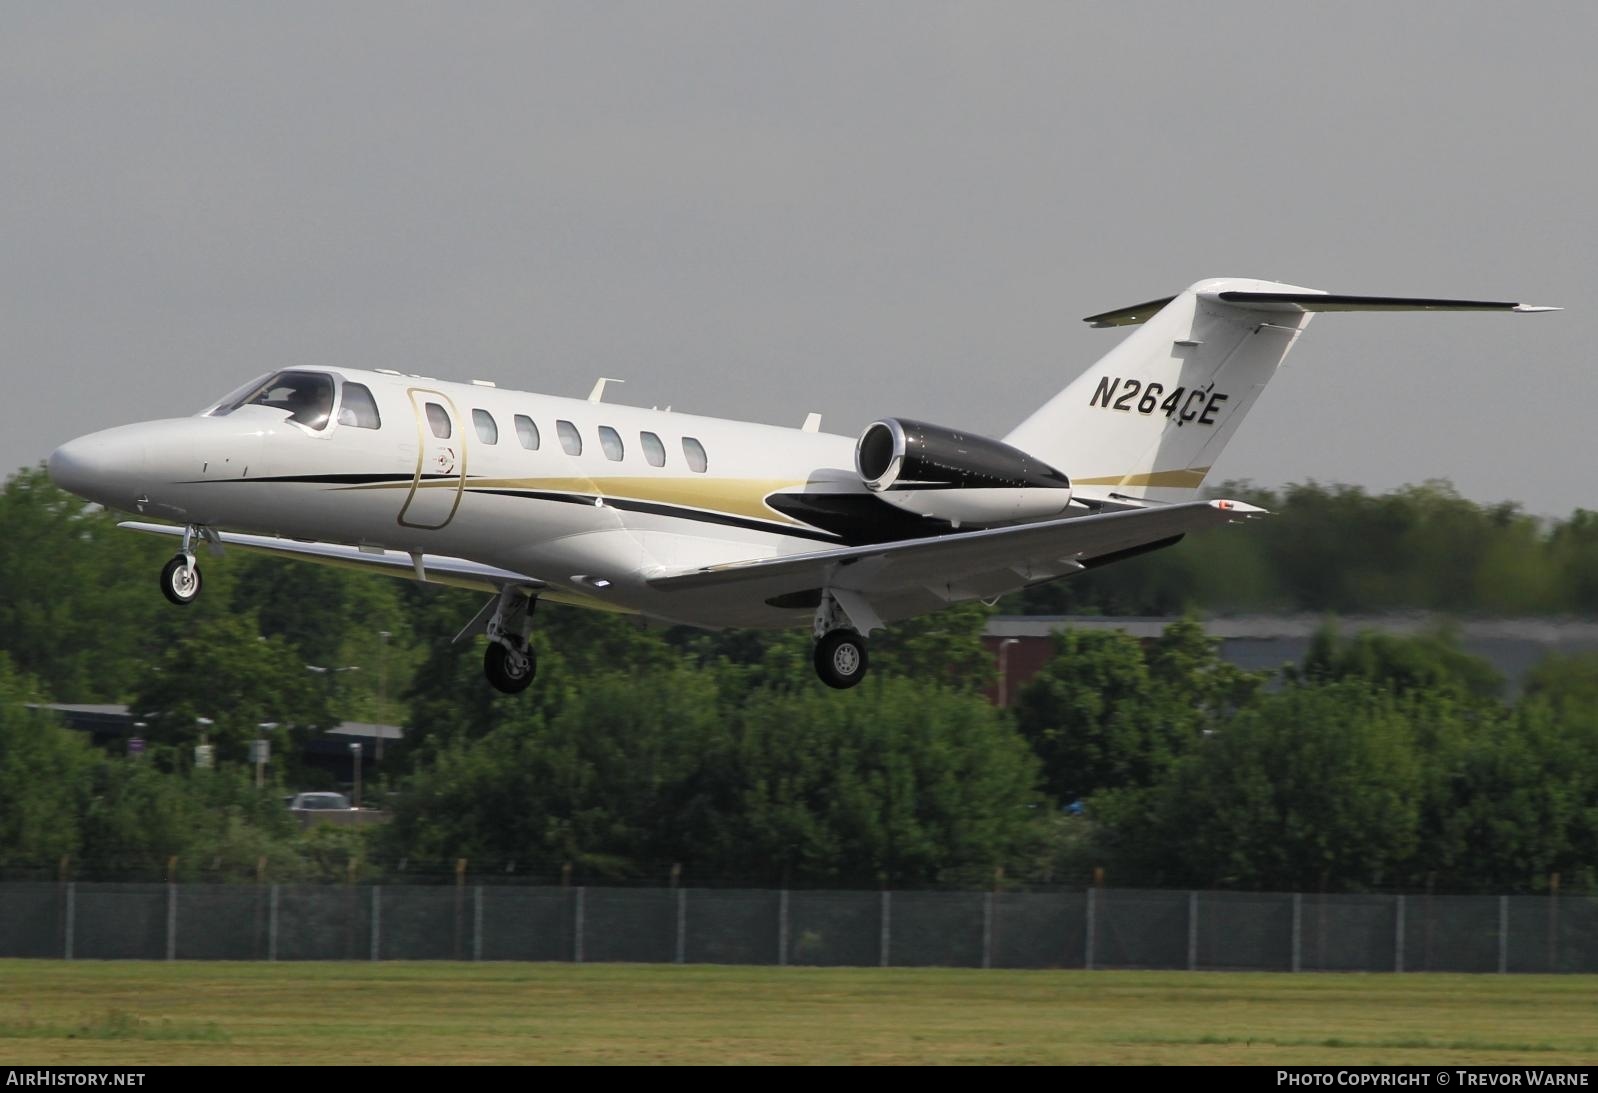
x=509, y=662
x=840, y=654
x=180, y=577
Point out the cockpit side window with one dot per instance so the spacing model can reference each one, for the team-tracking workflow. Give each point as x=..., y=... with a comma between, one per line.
x=358, y=408
x=307, y=396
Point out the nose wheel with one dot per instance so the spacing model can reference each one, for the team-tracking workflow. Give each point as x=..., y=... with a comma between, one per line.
x=180, y=580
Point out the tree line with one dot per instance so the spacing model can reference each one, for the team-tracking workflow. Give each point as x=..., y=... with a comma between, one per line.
x=1378, y=762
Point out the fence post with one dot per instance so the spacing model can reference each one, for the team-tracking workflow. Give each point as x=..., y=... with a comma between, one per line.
x=577, y=926
x=887, y=926
x=1553, y=922
x=271, y=925
x=377, y=918
x=1398, y=937
x=1192, y=931
x=682, y=925
x=72, y=916
x=171, y=920
x=1298, y=931
x=1503, y=934
x=1093, y=907
x=460, y=906
x=987, y=929
x=477, y=922
x=782, y=928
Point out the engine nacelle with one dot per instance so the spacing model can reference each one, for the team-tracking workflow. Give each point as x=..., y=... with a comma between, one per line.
x=951, y=475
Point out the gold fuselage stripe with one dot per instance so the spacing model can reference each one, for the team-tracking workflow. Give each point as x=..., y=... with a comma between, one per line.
x=1190, y=478
x=733, y=496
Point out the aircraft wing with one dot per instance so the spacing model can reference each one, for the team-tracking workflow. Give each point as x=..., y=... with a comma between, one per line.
x=964, y=565
x=433, y=568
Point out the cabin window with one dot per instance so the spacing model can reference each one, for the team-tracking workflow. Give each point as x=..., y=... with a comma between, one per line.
x=654, y=450
x=359, y=408
x=307, y=396
x=438, y=420
x=694, y=452
x=527, y=432
x=570, y=439
x=610, y=440
x=487, y=429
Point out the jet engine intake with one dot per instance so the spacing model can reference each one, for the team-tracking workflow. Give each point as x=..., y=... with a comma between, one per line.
x=954, y=475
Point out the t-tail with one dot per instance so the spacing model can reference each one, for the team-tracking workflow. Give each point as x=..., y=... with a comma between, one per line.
x=1149, y=420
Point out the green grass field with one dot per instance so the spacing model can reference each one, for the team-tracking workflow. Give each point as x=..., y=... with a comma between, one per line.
x=128, y=1014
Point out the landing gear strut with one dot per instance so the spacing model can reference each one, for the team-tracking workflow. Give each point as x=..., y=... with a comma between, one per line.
x=509, y=661
x=180, y=577
x=840, y=655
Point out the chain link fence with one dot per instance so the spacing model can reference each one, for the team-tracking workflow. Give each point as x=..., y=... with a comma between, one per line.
x=1097, y=928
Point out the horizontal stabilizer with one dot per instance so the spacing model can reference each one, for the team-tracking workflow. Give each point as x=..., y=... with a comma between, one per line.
x=1300, y=302
x=1327, y=301
x=1129, y=316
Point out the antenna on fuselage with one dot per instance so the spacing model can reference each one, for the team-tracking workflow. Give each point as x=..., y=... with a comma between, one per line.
x=598, y=393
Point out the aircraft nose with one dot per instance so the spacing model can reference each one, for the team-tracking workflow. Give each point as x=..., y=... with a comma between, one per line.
x=98, y=467
x=73, y=466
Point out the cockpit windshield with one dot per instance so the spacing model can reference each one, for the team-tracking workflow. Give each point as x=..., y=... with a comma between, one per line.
x=307, y=396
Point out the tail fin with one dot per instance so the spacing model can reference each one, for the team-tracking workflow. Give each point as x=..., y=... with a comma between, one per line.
x=1151, y=417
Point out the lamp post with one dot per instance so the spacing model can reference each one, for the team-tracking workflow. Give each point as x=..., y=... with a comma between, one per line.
x=355, y=753
x=1004, y=670
x=382, y=689
x=204, y=753
x=261, y=751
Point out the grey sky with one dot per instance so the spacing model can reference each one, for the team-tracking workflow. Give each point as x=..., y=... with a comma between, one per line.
x=761, y=209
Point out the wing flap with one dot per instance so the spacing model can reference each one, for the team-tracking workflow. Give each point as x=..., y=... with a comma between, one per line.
x=439, y=568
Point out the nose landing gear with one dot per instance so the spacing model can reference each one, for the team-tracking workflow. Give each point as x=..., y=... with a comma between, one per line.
x=180, y=580
x=180, y=577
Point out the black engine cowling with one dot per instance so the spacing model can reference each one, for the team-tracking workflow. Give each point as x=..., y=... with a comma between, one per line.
x=897, y=453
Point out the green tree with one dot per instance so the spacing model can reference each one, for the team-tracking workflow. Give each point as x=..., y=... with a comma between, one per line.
x=1097, y=717
x=1311, y=789
x=1430, y=662
x=76, y=592
x=43, y=771
x=896, y=779
x=224, y=672
x=945, y=647
x=635, y=773
x=1565, y=681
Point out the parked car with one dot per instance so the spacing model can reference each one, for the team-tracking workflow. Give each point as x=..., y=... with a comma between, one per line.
x=319, y=802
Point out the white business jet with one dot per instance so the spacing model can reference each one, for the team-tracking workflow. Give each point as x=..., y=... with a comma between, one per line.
x=713, y=523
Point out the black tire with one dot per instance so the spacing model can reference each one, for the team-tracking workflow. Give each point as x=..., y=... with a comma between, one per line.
x=507, y=673
x=841, y=659
x=179, y=583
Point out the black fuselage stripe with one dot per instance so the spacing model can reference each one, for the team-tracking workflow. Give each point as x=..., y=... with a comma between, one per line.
x=327, y=479
x=679, y=512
